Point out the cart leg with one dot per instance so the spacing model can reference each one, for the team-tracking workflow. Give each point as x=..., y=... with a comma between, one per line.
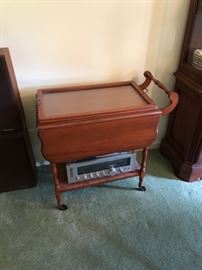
x=57, y=187
x=142, y=169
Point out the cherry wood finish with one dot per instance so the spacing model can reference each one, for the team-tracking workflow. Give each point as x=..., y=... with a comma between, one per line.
x=182, y=144
x=17, y=166
x=75, y=123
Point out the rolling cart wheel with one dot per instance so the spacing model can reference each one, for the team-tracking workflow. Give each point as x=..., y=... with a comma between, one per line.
x=62, y=207
x=142, y=188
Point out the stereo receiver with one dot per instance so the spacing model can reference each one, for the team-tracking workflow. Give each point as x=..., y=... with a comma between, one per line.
x=102, y=166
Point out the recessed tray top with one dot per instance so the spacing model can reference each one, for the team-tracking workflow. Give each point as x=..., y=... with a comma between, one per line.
x=91, y=100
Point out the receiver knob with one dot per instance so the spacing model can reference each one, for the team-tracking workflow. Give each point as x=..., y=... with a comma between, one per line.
x=112, y=170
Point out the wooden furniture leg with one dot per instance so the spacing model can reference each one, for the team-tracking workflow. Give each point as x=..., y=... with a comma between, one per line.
x=142, y=169
x=57, y=188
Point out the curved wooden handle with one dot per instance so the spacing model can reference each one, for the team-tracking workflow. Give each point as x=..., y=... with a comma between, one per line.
x=173, y=96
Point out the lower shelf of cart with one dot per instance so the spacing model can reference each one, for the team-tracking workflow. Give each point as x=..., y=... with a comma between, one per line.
x=64, y=186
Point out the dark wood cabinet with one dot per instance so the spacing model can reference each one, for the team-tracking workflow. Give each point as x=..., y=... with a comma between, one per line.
x=17, y=165
x=183, y=141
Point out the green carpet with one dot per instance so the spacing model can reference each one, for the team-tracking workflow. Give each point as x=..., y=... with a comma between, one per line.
x=106, y=227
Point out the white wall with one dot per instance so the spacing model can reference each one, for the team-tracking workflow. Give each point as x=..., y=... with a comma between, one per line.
x=73, y=42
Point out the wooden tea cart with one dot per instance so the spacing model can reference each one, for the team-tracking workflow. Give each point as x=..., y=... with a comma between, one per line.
x=75, y=123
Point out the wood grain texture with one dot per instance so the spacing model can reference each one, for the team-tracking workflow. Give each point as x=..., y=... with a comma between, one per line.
x=63, y=104
x=74, y=142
